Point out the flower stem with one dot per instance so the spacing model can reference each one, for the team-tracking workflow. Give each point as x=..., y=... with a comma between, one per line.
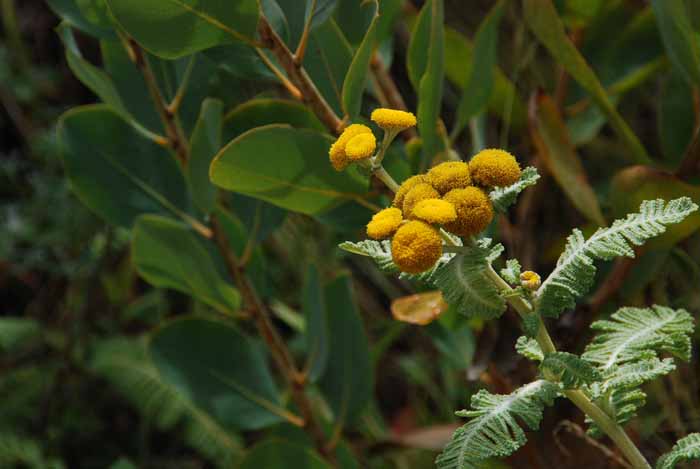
x=577, y=397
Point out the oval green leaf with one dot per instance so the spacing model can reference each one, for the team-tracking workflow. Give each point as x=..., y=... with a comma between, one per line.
x=175, y=28
x=279, y=454
x=115, y=171
x=286, y=167
x=266, y=111
x=169, y=255
x=220, y=370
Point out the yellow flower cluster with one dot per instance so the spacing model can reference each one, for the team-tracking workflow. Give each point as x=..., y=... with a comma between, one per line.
x=338, y=153
x=357, y=142
x=451, y=195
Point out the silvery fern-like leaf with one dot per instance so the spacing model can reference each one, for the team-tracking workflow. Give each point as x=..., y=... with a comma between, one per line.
x=464, y=284
x=493, y=430
x=504, y=197
x=626, y=350
x=632, y=333
x=529, y=348
x=568, y=369
x=685, y=449
x=511, y=272
x=380, y=252
x=573, y=275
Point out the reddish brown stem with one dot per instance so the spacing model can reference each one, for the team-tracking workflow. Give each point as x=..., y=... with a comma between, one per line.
x=298, y=76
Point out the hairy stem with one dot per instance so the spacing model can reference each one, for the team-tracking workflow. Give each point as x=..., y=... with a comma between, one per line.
x=577, y=397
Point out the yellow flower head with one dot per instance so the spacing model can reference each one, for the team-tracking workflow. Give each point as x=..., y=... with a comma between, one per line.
x=406, y=186
x=384, y=223
x=474, y=211
x=436, y=211
x=419, y=192
x=361, y=146
x=416, y=247
x=530, y=280
x=337, y=155
x=450, y=175
x=494, y=168
x=391, y=119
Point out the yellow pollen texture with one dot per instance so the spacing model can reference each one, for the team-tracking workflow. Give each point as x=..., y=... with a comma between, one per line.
x=393, y=119
x=406, y=186
x=435, y=211
x=474, y=211
x=416, y=247
x=361, y=146
x=494, y=168
x=450, y=175
x=384, y=223
x=419, y=192
x=530, y=280
x=337, y=155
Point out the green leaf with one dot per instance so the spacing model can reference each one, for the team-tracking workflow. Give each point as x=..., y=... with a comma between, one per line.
x=220, y=370
x=431, y=83
x=17, y=450
x=675, y=118
x=504, y=197
x=175, y=28
x=456, y=345
x=323, y=10
x=286, y=167
x=554, y=146
x=685, y=449
x=205, y=142
x=15, y=331
x=569, y=369
x=347, y=382
x=464, y=284
x=511, y=272
x=115, y=171
x=126, y=366
x=265, y=111
x=481, y=78
x=529, y=348
x=635, y=184
x=633, y=333
x=278, y=454
x=679, y=38
x=169, y=255
x=574, y=272
x=356, y=78
x=327, y=60
x=542, y=19
x=504, y=101
x=416, y=58
x=315, y=310
x=75, y=13
x=95, y=78
x=493, y=430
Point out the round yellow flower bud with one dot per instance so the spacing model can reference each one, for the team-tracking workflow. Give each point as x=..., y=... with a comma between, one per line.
x=494, y=168
x=416, y=247
x=449, y=175
x=474, y=211
x=337, y=155
x=361, y=146
x=384, y=223
x=530, y=280
x=419, y=192
x=406, y=186
x=391, y=119
x=436, y=211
